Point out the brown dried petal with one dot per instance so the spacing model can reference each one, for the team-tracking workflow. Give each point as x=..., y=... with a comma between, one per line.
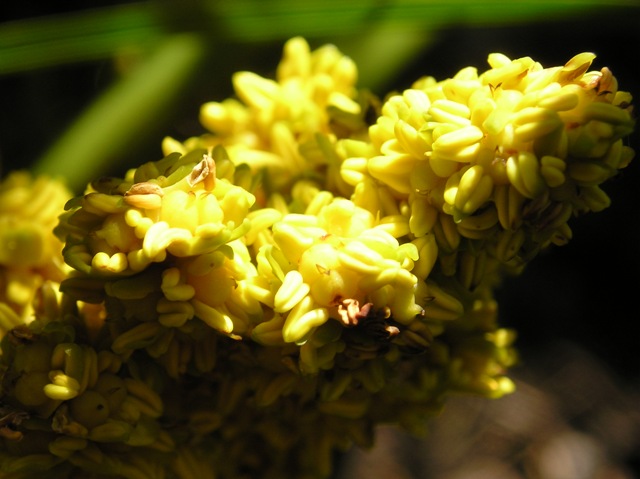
x=351, y=313
x=348, y=311
x=144, y=195
x=203, y=171
x=21, y=334
x=145, y=188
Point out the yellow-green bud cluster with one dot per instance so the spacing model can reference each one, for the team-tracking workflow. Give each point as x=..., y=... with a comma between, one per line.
x=287, y=126
x=184, y=213
x=71, y=406
x=338, y=256
x=271, y=291
x=510, y=154
x=30, y=253
x=176, y=206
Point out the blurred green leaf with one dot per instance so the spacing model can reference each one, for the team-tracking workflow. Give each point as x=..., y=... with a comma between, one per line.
x=100, y=33
x=254, y=20
x=75, y=37
x=116, y=118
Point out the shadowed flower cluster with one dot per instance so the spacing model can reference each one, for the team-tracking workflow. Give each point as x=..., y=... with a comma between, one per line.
x=319, y=263
x=30, y=253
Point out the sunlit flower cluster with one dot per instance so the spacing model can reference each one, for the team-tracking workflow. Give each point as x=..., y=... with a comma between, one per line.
x=269, y=292
x=509, y=154
x=287, y=126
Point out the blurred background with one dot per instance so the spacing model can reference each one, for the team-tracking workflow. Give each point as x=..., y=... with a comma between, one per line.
x=91, y=88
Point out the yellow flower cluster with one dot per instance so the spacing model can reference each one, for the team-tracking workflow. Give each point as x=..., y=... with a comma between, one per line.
x=269, y=292
x=30, y=253
x=287, y=125
x=175, y=206
x=509, y=154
